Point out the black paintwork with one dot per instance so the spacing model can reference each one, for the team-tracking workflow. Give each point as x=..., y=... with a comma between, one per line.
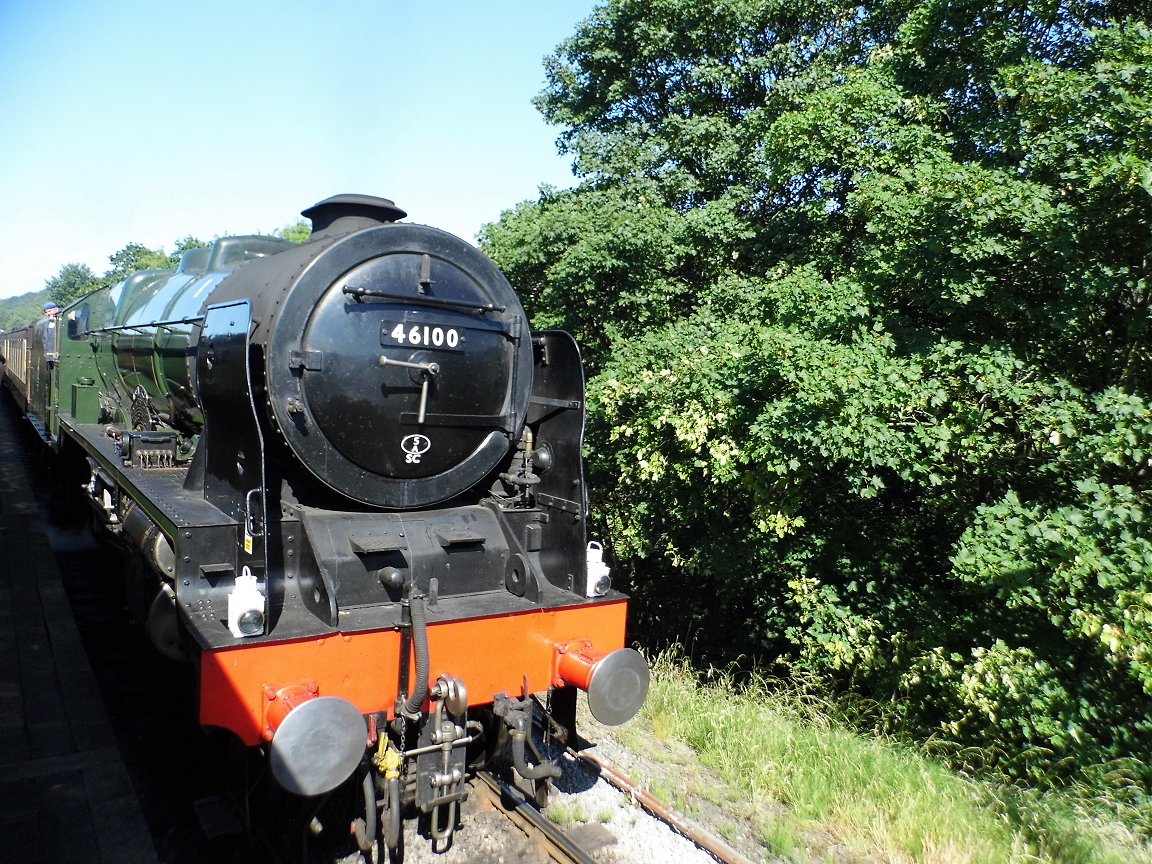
x=305, y=471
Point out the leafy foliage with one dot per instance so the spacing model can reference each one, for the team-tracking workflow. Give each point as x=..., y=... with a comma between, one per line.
x=297, y=232
x=19, y=310
x=866, y=295
x=135, y=257
x=73, y=281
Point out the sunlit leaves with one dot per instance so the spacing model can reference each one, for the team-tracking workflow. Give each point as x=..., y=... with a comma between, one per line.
x=73, y=281
x=866, y=292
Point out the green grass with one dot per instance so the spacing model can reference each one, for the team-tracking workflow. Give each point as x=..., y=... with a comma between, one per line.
x=881, y=799
x=567, y=815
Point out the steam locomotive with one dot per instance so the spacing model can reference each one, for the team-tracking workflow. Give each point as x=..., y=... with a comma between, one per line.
x=349, y=478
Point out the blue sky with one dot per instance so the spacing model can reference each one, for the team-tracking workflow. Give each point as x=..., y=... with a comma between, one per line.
x=133, y=121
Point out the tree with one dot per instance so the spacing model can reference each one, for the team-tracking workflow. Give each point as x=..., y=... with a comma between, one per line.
x=72, y=282
x=136, y=256
x=296, y=233
x=183, y=245
x=867, y=295
x=17, y=311
x=75, y=280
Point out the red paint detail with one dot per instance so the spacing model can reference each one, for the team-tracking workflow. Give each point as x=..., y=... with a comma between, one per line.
x=287, y=699
x=490, y=655
x=575, y=663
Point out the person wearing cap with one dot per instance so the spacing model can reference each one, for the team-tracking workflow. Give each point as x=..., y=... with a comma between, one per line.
x=51, y=309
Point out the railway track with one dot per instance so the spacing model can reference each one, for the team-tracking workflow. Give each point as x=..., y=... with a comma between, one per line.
x=702, y=838
x=621, y=823
x=546, y=836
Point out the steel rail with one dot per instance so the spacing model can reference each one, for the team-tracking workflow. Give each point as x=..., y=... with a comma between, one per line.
x=515, y=804
x=707, y=841
x=703, y=838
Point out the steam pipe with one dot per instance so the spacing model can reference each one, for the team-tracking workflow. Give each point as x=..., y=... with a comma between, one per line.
x=420, y=642
x=366, y=828
x=520, y=724
x=530, y=772
x=392, y=829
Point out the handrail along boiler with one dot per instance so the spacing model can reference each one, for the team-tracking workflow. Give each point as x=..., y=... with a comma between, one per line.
x=350, y=476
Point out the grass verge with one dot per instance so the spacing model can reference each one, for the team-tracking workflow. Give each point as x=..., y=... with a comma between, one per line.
x=848, y=797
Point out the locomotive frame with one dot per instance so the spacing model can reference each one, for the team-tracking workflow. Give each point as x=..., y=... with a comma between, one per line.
x=349, y=479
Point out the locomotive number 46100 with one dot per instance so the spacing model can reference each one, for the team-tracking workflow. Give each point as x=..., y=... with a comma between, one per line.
x=426, y=335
